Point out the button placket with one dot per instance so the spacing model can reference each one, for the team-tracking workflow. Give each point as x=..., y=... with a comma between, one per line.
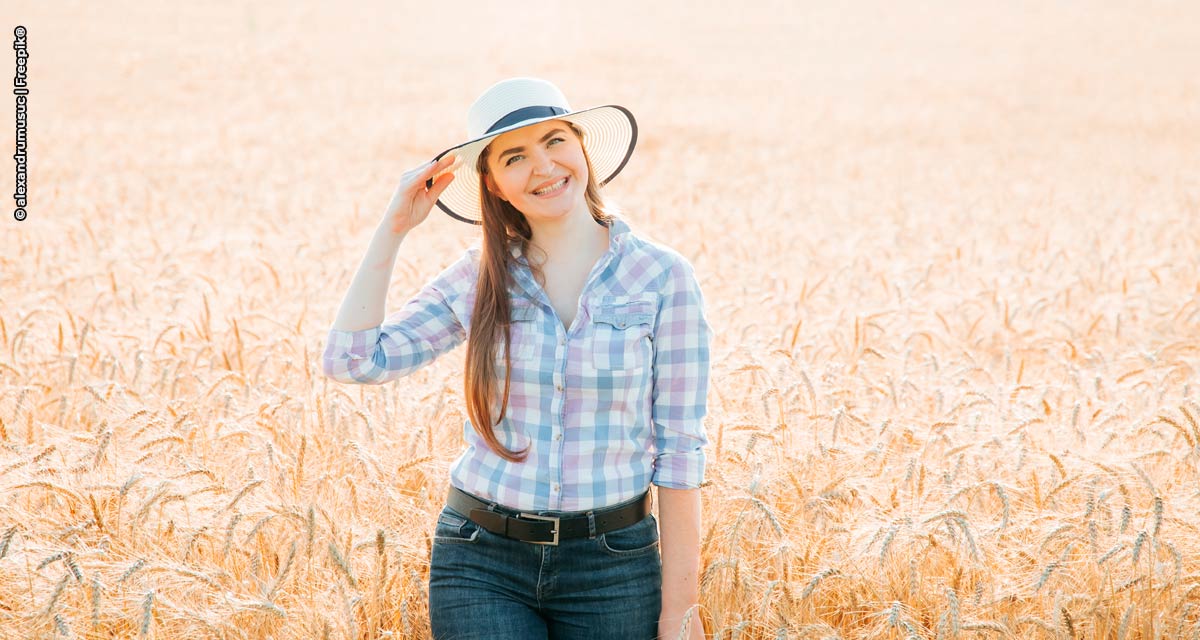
x=559, y=422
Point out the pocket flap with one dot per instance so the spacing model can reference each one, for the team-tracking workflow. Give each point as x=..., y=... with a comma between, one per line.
x=624, y=311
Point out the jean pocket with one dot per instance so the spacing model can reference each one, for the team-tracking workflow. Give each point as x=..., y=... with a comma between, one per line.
x=636, y=539
x=453, y=527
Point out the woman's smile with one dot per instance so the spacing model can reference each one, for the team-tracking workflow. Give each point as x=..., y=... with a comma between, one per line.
x=553, y=190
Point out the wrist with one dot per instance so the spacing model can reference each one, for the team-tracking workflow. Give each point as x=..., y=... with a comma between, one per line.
x=677, y=610
x=385, y=232
x=671, y=623
x=387, y=228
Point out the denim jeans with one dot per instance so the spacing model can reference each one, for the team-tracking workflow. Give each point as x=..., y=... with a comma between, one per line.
x=484, y=585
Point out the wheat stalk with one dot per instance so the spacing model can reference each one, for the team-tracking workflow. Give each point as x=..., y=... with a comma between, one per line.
x=340, y=563
x=55, y=595
x=279, y=578
x=147, y=613
x=816, y=580
x=97, y=591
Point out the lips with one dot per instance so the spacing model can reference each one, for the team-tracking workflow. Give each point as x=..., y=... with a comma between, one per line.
x=562, y=182
x=548, y=183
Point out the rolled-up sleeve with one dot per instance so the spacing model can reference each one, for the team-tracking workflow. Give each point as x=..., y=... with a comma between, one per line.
x=681, y=372
x=424, y=328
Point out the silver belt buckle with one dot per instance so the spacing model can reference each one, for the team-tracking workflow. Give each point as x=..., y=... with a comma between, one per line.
x=534, y=516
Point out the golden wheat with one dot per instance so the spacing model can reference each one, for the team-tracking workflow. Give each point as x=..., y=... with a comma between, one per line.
x=954, y=386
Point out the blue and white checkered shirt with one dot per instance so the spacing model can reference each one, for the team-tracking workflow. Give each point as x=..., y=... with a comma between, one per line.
x=609, y=407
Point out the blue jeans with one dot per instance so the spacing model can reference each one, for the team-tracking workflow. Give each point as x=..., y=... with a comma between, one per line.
x=484, y=585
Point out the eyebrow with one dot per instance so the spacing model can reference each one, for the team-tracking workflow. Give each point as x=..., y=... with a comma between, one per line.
x=517, y=149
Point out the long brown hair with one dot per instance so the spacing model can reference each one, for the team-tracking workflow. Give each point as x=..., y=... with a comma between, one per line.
x=503, y=224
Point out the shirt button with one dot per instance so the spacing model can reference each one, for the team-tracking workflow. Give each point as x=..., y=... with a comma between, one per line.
x=554, y=486
x=558, y=436
x=558, y=386
x=562, y=341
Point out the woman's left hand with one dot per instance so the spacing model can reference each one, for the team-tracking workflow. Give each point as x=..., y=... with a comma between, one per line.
x=670, y=624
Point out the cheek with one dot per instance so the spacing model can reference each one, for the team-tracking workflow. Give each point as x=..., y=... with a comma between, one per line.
x=512, y=189
x=578, y=163
x=504, y=184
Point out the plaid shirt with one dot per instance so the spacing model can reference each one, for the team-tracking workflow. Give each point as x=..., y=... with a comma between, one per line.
x=609, y=407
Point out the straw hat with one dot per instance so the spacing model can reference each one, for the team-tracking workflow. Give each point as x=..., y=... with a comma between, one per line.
x=610, y=133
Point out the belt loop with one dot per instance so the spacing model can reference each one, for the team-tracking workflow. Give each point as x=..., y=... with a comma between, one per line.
x=591, y=515
x=503, y=517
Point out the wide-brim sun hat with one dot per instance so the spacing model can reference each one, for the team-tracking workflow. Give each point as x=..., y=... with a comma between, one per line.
x=609, y=135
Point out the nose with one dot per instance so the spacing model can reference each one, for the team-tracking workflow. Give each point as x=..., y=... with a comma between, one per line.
x=545, y=165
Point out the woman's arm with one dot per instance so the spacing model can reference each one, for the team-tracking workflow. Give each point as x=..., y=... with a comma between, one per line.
x=680, y=402
x=389, y=348
x=363, y=306
x=362, y=346
x=679, y=540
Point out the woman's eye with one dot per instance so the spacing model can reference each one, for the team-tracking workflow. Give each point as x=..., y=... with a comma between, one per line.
x=515, y=156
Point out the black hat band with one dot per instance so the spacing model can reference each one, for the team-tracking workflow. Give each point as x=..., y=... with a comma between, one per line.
x=526, y=113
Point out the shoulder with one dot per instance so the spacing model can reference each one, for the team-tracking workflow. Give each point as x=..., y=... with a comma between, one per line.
x=459, y=276
x=658, y=262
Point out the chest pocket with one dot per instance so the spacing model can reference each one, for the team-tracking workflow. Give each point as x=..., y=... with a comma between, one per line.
x=623, y=329
x=524, y=333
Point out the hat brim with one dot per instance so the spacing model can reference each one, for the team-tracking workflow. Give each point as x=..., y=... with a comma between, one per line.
x=610, y=134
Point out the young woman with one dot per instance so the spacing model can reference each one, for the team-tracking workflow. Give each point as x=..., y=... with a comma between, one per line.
x=586, y=379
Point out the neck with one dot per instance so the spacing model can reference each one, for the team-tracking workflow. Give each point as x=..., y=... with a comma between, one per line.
x=572, y=235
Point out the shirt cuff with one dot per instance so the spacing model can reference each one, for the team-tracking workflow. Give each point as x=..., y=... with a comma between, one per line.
x=679, y=470
x=346, y=351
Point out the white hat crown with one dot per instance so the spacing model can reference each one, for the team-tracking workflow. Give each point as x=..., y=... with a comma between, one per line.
x=512, y=101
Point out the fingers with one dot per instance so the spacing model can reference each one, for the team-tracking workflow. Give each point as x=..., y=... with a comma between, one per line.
x=439, y=165
x=446, y=164
x=438, y=185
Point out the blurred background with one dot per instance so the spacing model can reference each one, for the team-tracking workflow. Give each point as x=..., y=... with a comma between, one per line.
x=932, y=235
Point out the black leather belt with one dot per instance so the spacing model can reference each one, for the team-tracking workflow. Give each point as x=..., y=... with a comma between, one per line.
x=539, y=529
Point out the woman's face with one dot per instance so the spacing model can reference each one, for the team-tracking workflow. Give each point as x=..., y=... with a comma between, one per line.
x=537, y=158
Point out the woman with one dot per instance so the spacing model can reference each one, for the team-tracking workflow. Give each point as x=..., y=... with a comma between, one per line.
x=586, y=379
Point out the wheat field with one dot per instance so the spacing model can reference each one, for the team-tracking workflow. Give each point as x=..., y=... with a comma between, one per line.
x=949, y=251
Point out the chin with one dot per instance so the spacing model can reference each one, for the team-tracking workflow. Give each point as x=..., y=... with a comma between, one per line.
x=555, y=213
x=548, y=215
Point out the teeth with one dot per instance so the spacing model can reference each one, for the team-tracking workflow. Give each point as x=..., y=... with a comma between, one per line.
x=552, y=187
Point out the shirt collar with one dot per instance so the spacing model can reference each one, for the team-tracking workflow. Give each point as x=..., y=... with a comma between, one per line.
x=618, y=233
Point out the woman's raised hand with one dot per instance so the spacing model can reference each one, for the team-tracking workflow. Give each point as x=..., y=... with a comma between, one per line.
x=412, y=201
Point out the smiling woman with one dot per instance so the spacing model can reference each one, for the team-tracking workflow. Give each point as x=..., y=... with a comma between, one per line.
x=539, y=170
x=600, y=339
